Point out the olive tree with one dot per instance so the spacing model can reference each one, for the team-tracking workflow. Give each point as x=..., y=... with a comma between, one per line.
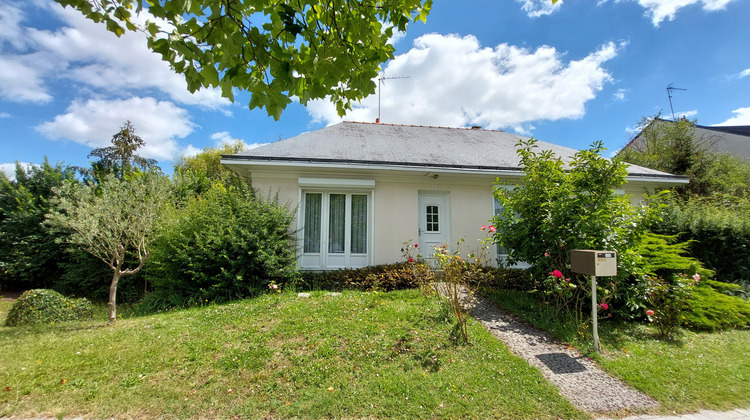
x=114, y=221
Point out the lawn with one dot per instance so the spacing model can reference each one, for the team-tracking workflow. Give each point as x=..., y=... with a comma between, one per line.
x=695, y=371
x=359, y=355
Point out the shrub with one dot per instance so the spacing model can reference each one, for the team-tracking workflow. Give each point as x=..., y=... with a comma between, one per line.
x=513, y=279
x=711, y=310
x=719, y=231
x=223, y=245
x=44, y=306
x=667, y=300
x=386, y=277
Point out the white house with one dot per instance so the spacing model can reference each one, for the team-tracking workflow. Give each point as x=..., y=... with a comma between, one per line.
x=362, y=189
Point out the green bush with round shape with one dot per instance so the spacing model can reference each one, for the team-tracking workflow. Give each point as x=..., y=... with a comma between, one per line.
x=44, y=306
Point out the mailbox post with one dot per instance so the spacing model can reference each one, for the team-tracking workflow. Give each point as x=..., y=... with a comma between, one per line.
x=594, y=263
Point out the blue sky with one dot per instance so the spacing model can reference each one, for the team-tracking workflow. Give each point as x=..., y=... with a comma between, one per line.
x=570, y=74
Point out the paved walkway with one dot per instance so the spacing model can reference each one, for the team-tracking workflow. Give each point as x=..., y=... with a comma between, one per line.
x=579, y=379
x=739, y=414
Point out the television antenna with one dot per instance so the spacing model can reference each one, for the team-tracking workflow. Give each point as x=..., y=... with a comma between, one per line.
x=381, y=82
x=670, y=88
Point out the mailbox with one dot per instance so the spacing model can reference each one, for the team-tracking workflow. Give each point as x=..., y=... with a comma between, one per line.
x=594, y=263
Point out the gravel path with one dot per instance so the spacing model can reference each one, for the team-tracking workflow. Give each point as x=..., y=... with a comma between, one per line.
x=578, y=378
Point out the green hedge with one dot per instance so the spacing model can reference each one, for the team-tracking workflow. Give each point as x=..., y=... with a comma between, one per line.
x=223, y=245
x=384, y=277
x=719, y=232
x=712, y=308
x=44, y=306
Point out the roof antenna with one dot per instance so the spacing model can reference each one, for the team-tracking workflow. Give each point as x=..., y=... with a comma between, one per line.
x=670, y=88
x=381, y=83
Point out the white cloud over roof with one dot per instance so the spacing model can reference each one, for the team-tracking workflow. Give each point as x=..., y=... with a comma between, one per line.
x=741, y=117
x=454, y=81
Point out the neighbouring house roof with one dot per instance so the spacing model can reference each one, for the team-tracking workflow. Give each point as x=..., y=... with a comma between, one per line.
x=734, y=140
x=408, y=146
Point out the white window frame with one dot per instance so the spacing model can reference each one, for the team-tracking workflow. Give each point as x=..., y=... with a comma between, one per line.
x=325, y=260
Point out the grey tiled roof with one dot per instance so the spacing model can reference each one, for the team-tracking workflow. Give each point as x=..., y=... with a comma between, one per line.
x=406, y=145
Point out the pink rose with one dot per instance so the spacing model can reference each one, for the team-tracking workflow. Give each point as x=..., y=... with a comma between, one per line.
x=546, y=254
x=416, y=245
x=482, y=228
x=493, y=229
x=604, y=306
x=650, y=312
x=697, y=277
x=556, y=273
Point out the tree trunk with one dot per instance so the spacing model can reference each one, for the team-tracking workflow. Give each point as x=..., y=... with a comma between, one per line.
x=113, y=296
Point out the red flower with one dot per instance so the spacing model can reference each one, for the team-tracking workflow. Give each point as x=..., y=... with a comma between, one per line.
x=411, y=260
x=604, y=306
x=650, y=312
x=556, y=273
x=416, y=245
x=493, y=229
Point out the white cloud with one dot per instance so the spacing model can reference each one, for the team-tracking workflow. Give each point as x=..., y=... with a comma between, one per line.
x=687, y=114
x=536, y=8
x=190, y=151
x=85, y=52
x=95, y=121
x=744, y=73
x=659, y=10
x=741, y=117
x=223, y=137
x=21, y=82
x=4, y=115
x=9, y=169
x=10, y=26
x=456, y=82
x=620, y=94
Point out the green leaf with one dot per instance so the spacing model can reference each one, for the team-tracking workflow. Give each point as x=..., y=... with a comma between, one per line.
x=210, y=76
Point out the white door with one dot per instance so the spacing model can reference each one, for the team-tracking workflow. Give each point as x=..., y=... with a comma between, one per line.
x=434, y=222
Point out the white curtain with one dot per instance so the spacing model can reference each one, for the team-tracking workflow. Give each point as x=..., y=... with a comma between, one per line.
x=313, y=203
x=336, y=223
x=359, y=224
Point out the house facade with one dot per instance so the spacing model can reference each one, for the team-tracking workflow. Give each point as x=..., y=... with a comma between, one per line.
x=361, y=190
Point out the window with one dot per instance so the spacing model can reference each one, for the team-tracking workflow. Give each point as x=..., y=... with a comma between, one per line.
x=432, y=219
x=501, y=251
x=336, y=229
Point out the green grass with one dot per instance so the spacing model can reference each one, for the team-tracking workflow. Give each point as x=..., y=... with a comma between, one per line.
x=360, y=355
x=696, y=371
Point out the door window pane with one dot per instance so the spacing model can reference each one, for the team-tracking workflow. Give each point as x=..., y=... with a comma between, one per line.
x=359, y=224
x=312, y=222
x=337, y=223
x=432, y=219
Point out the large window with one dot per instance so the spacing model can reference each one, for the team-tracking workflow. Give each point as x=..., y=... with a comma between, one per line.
x=336, y=229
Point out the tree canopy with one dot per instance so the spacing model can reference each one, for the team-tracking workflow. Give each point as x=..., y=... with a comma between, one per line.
x=120, y=158
x=305, y=49
x=674, y=147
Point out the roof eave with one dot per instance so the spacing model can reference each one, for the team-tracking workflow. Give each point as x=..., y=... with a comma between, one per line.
x=366, y=165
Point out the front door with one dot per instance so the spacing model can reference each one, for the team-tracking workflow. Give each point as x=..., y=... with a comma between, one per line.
x=434, y=222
